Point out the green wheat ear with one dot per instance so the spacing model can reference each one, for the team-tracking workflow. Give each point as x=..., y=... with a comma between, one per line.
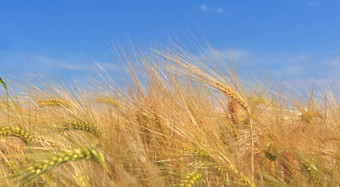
x=83, y=126
x=17, y=132
x=42, y=166
x=3, y=84
x=191, y=179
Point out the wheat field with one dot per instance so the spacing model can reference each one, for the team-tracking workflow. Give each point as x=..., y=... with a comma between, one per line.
x=178, y=119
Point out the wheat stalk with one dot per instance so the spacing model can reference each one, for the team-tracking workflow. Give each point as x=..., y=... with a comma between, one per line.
x=228, y=91
x=203, y=156
x=217, y=83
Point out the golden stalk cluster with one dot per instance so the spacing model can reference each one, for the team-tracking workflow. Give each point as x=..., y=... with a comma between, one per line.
x=233, y=134
x=206, y=160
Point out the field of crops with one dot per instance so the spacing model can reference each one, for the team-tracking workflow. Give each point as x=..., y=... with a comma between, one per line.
x=176, y=121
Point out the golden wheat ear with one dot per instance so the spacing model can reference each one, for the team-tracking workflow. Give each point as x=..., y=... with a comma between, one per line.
x=108, y=100
x=232, y=91
x=54, y=102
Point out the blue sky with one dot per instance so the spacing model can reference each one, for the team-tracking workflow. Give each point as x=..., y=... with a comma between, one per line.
x=290, y=39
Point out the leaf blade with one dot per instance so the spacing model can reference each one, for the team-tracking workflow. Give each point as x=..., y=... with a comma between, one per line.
x=3, y=84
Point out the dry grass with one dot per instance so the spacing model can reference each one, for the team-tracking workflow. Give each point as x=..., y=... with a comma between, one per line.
x=175, y=122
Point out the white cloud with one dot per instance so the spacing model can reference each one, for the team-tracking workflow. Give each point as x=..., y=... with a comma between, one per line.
x=313, y=3
x=72, y=63
x=332, y=62
x=16, y=60
x=217, y=10
x=204, y=8
x=298, y=69
x=73, y=67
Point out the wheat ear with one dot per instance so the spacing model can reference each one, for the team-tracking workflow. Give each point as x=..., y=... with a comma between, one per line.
x=191, y=179
x=228, y=91
x=198, y=74
x=83, y=126
x=53, y=102
x=107, y=100
x=17, y=132
x=314, y=173
x=57, y=159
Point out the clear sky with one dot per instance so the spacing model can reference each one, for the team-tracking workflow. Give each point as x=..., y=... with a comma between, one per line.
x=298, y=39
